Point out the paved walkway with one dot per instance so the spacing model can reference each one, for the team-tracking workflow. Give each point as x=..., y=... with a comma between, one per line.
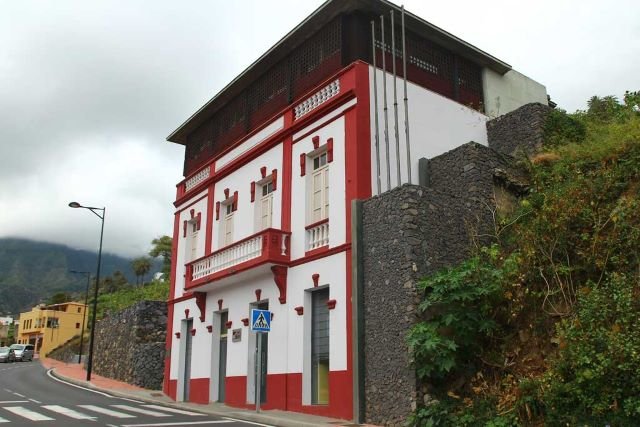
x=75, y=373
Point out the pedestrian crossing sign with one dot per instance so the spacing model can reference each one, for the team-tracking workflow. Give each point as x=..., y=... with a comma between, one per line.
x=260, y=320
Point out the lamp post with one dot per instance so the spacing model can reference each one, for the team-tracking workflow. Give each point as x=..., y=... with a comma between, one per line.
x=95, y=294
x=84, y=312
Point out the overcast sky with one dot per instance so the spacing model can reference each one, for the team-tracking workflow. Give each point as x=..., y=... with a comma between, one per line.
x=89, y=90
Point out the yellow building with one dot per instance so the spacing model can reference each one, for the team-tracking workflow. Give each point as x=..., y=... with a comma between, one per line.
x=48, y=326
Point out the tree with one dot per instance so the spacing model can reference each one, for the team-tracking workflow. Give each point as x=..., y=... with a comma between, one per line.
x=141, y=267
x=162, y=248
x=60, y=297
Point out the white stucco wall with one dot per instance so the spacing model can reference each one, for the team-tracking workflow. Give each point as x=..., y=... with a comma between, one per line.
x=437, y=124
x=251, y=142
x=181, y=252
x=300, y=188
x=505, y=93
x=244, y=223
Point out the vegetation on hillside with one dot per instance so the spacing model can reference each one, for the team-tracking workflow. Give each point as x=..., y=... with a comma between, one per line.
x=543, y=326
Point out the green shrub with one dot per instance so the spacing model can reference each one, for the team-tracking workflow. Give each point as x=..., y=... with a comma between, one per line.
x=596, y=377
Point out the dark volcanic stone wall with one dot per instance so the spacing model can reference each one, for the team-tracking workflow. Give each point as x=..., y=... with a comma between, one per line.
x=408, y=233
x=129, y=345
x=521, y=129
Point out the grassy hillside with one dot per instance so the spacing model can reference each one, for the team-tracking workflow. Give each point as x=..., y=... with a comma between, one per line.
x=32, y=271
x=543, y=327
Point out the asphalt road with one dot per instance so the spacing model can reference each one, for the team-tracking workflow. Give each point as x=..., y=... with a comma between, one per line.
x=30, y=396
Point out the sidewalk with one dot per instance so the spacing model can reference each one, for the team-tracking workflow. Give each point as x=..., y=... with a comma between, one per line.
x=75, y=373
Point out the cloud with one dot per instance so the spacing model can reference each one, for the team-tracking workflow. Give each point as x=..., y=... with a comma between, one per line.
x=90, y=90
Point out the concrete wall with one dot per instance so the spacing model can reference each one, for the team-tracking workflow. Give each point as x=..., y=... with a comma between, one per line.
x=130, y=345
x=508, y=92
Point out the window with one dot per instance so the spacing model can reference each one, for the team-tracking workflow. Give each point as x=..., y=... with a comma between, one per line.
x=77, y=325
x=79, y=309
x=227, y=225
x=52, y=322
x=320, y=188
x=266, y=205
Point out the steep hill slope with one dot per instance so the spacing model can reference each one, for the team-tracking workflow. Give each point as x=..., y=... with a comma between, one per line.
x=31, y=271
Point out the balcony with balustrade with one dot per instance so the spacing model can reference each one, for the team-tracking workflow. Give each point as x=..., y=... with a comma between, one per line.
x=266, y=248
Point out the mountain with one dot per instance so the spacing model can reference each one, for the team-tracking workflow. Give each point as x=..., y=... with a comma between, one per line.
x=32, y=271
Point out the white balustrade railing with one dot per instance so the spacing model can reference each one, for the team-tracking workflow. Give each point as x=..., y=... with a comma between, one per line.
x=234, y=255
x=317, y=99
x=196, y=179
x=318, y=236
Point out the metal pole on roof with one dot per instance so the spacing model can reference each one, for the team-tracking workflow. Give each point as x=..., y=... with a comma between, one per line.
x=375, y=103
x=395, y=99
x=406, y=100
x=386, y=113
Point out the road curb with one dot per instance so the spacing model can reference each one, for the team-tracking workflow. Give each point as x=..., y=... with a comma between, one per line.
x=241, y=416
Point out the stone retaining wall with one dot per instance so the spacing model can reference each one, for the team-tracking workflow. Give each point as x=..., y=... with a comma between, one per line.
x=521, y=129
x=130, y=345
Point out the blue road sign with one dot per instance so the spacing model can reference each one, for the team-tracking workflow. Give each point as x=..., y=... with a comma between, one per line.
x=260, y=320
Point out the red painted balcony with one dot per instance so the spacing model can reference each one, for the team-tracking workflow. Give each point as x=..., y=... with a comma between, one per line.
x=267, y=247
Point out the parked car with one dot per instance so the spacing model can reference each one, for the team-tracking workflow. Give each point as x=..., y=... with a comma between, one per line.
x=7, y=355
x=23, y=352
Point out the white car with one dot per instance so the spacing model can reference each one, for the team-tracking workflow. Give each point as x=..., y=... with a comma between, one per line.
x=23, y=352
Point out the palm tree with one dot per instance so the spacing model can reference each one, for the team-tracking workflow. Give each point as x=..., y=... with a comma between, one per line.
x=141, y=267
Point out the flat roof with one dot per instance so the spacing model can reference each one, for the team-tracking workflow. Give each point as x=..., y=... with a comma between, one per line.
x=318, y=19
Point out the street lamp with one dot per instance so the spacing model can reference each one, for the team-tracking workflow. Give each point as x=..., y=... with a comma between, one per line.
x=95, y=296
x=84, y=312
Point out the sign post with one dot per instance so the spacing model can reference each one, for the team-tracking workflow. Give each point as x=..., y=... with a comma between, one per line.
x=260, y=324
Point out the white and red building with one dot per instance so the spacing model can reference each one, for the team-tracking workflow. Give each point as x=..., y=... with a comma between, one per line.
x=263, y=216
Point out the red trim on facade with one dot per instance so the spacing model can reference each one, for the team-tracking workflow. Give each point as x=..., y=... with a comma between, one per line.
x=234, y=204
x=317, y=223
x=220, y=304
x=329, y=150
x=184, y=228
x=245, y=321
x=193, y=332
x=235, y=391
x=182, y=209
x=170, y=309
x=299, y=309
x=280, y=277
x=313, y=255
x=208, y=242
x=263, y=172
x=186, y=313
x=228, y=324
x=258, y=293
x=303, y=164
x=186, y=296
x=274, y=179
x=323, y=124
x=253, y=191
x=172, y=388
x=209, y=328
x=287, y=175
x=331, y=304
x=177, y=334
x=316, y=278
x=226, y=193
x=217, y=211
x=199, y=390
x=316, y=142
x=316, y=251
x=290, y=127
x=201, y=303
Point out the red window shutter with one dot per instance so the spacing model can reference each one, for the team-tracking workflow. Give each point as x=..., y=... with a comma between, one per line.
x=274, y=179
x=316, y=142
x=217, y=210
x=330, y=150
x=235, y=201
x=253, y=191
x=303, y=159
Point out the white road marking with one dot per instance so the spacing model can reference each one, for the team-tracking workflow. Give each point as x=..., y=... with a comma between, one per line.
x=69, y=412
x=184, y=423
x=106, y=411
x=6, y=389
x=2, y=420
x=13, y=401
x=20, y=395
x=35, y=401
x=26, y=413
x=175, y=411
x=140, y=410
x=247, y=422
